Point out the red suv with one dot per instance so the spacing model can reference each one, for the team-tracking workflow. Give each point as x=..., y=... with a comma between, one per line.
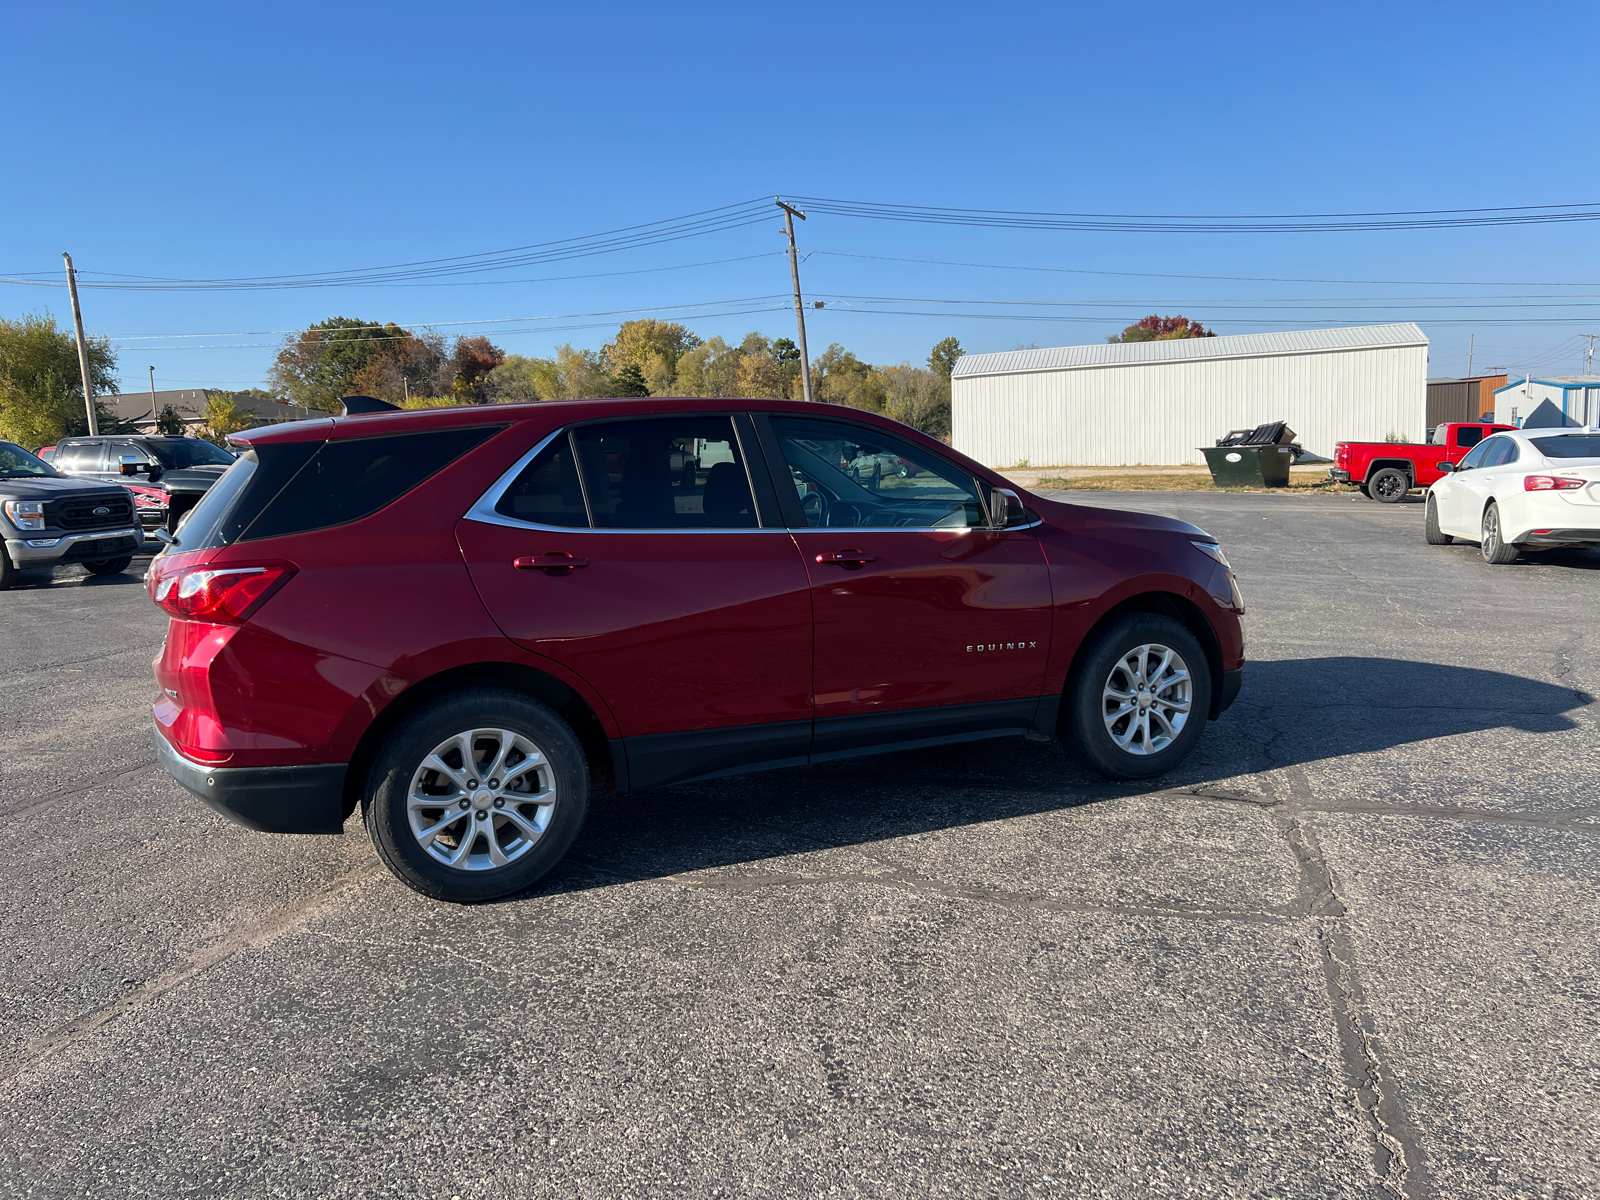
x=457, y=618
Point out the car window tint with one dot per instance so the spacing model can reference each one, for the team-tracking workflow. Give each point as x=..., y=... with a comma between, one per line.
x=1475, y=457
x=79, y=457
x=680, y=472
x=348, y=480
x=853, y=476
x=547, y=492
x=117, y=451
x=1509, y=453
x=1580, y=445
x=192, y=452
x=1467, y=435
x=1496, y=453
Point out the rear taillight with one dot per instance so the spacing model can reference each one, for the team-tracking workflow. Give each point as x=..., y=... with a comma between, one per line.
x=1551, y=483
x=222, y=595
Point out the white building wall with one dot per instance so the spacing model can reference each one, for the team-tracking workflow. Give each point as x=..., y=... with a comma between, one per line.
x=1160, y=413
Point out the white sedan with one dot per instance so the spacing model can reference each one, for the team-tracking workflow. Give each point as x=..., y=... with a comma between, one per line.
x=1527, y=489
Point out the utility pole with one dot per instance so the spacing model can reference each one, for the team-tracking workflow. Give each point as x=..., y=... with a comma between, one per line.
x=83, y=347
x=1588, y=362
x=1471, y=341
x=153, y=414
x=789, y=214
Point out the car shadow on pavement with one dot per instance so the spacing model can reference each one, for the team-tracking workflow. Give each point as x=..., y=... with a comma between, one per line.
x=1290, y=712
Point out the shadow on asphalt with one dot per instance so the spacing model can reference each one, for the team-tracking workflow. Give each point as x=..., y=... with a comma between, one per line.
x=1292, y=711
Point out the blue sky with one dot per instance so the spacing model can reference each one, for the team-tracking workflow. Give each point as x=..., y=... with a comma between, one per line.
x=210, y=141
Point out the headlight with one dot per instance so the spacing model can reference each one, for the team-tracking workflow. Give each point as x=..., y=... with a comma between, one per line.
x=26, y=514
x=1213, y=551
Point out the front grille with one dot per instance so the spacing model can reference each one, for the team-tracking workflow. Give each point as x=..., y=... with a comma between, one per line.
x=79, y=512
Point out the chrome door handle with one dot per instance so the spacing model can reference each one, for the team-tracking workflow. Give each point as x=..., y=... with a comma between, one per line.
x=551, y=564
x=846, y=558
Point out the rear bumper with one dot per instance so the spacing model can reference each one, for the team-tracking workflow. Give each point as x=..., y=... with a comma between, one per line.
x=1560, y=537
x=1338, y=476
x=308, y=799
x=74, y=547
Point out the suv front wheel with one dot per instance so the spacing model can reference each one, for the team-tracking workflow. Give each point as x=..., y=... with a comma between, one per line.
x=477, y=795
x=1138, y=697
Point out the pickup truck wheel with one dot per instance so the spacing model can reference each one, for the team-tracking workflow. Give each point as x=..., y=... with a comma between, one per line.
x=8, y=570
x=1494, y=549
x=476, y=795
x=1138, y=697
x=1389, y=486
x=1430, y=525
x=108, y=566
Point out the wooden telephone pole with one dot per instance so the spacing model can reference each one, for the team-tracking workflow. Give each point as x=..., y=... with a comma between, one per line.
x=83, y=347
x=789, y=214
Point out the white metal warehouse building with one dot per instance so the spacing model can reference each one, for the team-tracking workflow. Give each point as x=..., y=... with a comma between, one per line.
x=1156, y=403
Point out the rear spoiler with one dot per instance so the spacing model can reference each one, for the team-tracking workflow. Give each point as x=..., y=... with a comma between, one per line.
x=355, y=406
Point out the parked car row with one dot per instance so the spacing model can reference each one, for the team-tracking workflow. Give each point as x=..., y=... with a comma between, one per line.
x=89, y=500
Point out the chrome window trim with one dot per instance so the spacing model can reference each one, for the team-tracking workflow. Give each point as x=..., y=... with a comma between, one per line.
x=484, y=512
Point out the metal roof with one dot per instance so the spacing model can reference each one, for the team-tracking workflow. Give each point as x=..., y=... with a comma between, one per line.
x=1238, y=345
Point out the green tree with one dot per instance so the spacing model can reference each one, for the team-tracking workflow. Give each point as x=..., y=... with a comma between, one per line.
x=41, y=386
x=1156, y=328
x=223, y=416
x=345, y=356
x=169, y=421
x=629, y=382
x=942, y=358
x=517, y=380
x=654, y=347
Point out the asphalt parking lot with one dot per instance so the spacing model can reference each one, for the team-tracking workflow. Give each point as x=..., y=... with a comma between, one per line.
x=1350, y=949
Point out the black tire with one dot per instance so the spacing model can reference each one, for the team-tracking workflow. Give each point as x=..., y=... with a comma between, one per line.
x=1430, y=525
x=384, y=803
x=8, y=570
x=1084, y=724
x=1494, y=549
x=108, y=566
x=1389, y=486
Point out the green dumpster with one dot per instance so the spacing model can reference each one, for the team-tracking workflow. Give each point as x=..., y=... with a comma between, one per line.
x=1249, y=466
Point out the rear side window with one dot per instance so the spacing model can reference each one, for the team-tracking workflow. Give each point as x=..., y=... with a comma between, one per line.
x=345, y=481
x=547, y=492
x=679, y=472
x=1467, y=435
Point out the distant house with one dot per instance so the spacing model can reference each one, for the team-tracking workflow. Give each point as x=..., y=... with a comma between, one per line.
x=1559, y=400
x=140, y=409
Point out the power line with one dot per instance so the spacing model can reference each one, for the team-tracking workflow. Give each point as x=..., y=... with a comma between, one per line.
x=938, y=262
x=1537, y=214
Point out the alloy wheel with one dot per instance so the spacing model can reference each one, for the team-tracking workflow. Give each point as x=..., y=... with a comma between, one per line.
x=1147, y=698
x=481, y=799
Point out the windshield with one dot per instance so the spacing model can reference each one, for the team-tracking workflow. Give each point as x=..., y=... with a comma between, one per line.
x=17, y=463
x=1576, y=445
x=191, y=452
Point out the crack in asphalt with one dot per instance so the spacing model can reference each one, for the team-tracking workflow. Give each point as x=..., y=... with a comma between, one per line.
x=89, y=786
x=255, y=935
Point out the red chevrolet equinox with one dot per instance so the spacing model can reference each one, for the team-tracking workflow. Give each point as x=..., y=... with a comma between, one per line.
x=455, y=619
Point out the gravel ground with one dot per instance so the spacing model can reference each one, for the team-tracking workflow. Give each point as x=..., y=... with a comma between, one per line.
x=1349, y=949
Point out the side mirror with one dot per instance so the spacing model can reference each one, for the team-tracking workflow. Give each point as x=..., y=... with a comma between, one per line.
x=1446, y=467
x=130, y=465
x=1006, y=509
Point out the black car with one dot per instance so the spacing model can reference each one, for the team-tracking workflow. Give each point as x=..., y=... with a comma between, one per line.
x=184, y=467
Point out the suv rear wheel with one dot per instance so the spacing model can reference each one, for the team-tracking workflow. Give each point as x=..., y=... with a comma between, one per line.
x=1138, y=697
x=477, y=795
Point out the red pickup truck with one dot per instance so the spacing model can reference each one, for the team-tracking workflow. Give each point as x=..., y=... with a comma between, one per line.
x=1386, y=471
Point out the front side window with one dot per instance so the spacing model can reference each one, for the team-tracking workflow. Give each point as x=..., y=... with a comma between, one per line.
x=117, y=451
x=1476, y=456
x=682, y=472
x=192, y=452
x=853, y=476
